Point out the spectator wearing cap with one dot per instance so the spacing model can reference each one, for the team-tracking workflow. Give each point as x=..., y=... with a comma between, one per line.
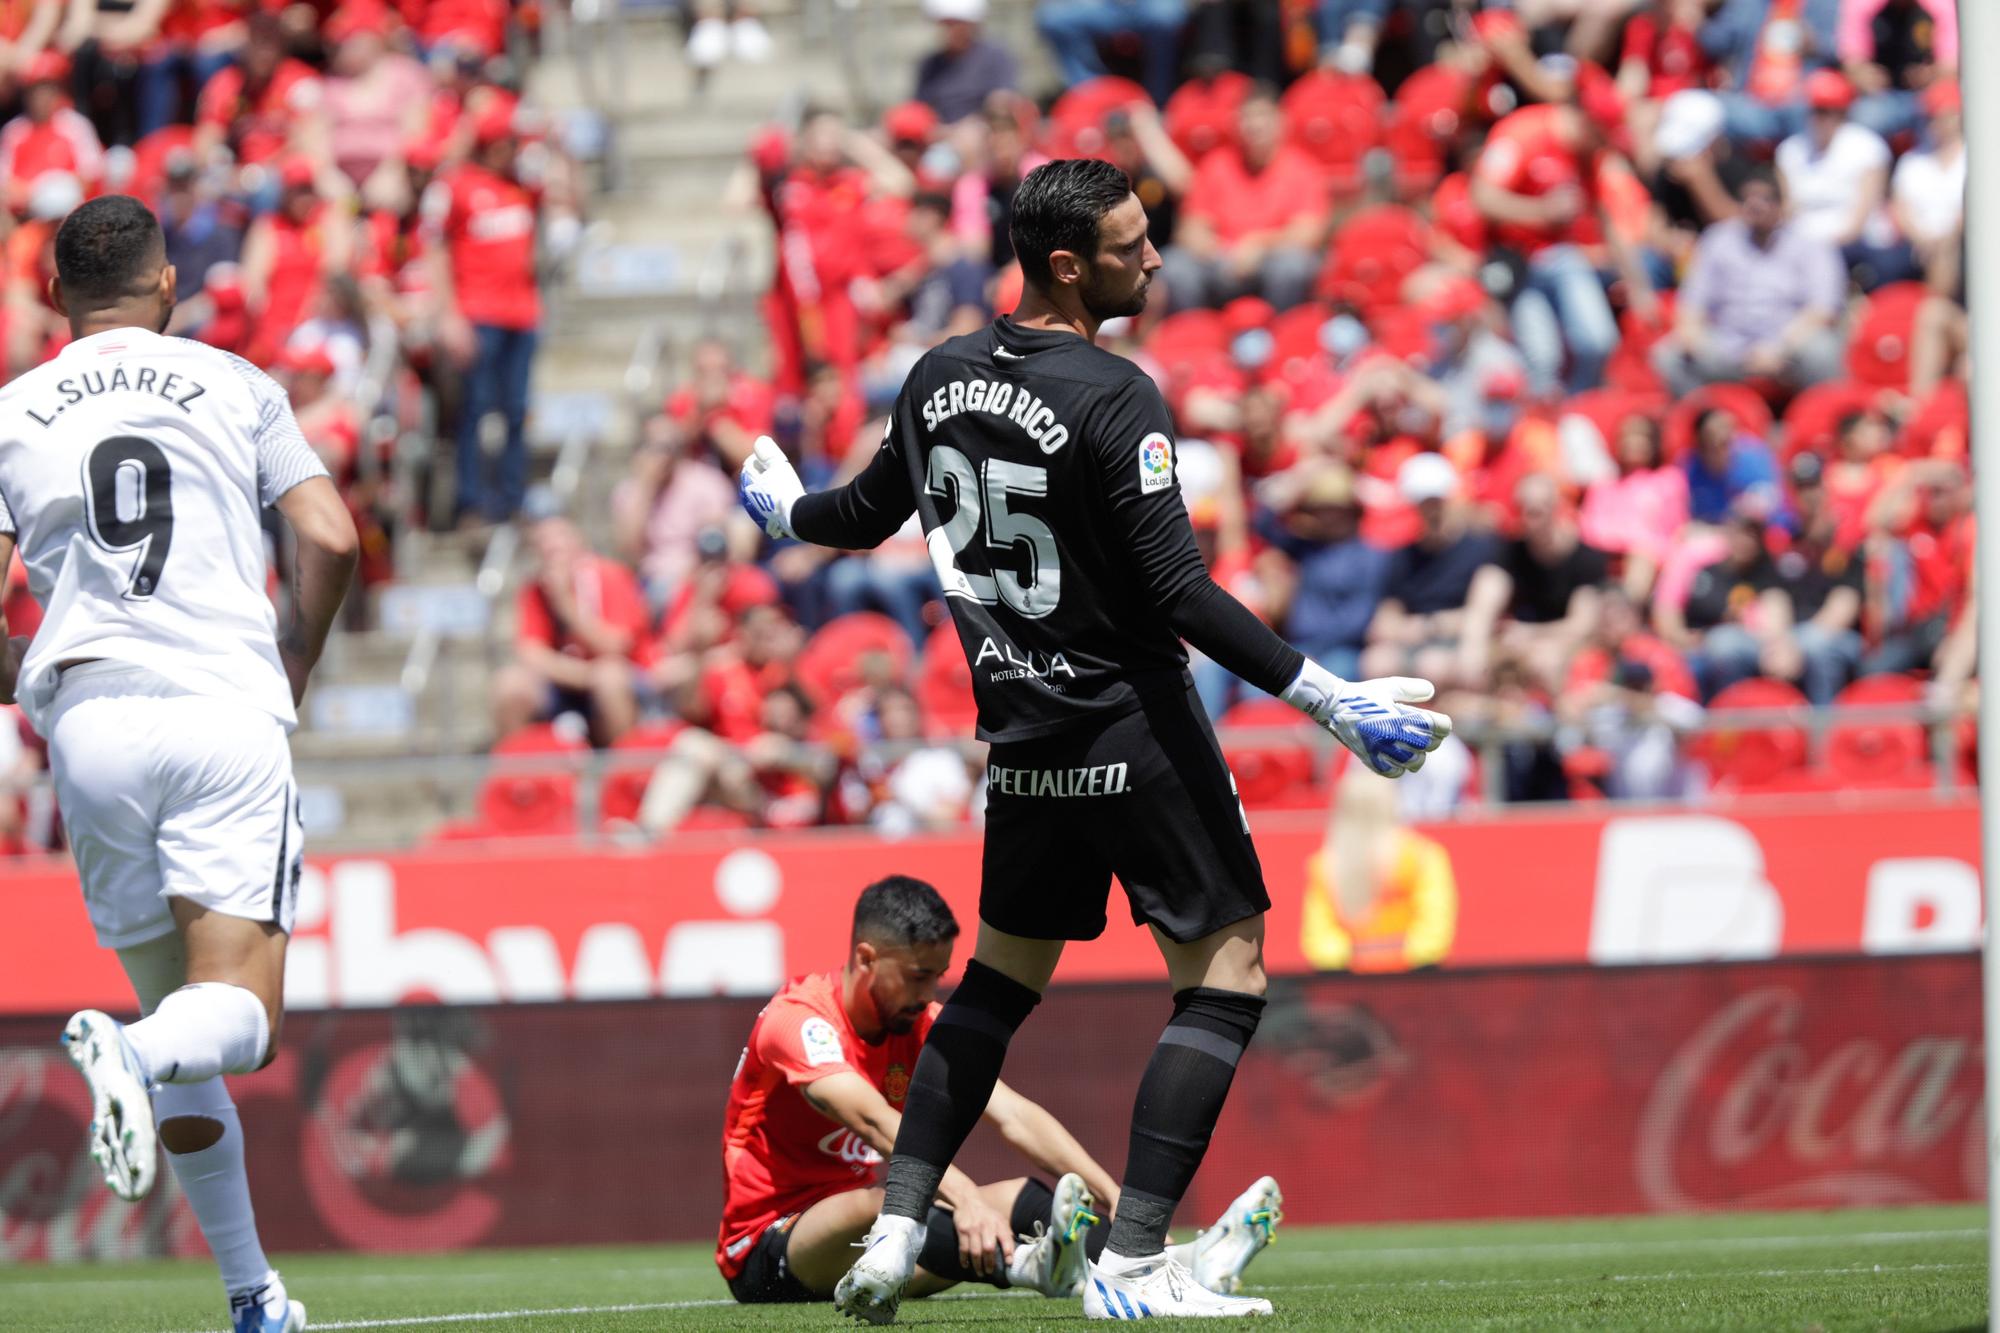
x=200, y=233
x=968, y=67
x=1469, y=357
x=288, y=253
x=673, y=493
x=1696, y=173
x=1639, y=512
x=1536, y=599
x=1729, y=468
x=1761, y=298
x=1927, y=191
x=375, y=99
x=328, y=420
x=1540, y=182
x=482, y=243
x=1791, y=616
x=34, y=328
x=581, y=637
x=1894, y=50
x=1326, y=582
x=1767, y=48
x=1254, y=220
x=1416, y=626
x=255, y=105
x=49, y=134
x=1074, y=29
x=1836, y=179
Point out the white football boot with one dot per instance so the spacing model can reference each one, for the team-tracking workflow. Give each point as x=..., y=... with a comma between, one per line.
x=1161, y=1288
x=124, y=1142
x=266, y=1308
x=873, y=1289
x=1053, y=1259
x=1222, y=1252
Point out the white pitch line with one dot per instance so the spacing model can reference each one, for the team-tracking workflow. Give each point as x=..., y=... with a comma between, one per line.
x=497, y=1316
x=1278, y=1289
x=1564, y=1249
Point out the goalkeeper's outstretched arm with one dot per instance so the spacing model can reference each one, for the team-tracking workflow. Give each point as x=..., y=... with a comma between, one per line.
x=856, y=517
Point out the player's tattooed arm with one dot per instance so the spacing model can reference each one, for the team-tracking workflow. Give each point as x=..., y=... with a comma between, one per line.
x=328, y=549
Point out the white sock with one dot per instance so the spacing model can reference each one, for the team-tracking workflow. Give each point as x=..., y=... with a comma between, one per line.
x=1120, y=1265
x=200, y=1031
x=216, y=1185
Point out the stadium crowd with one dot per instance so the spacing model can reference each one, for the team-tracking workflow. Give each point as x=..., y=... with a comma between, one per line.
x=1591, y=360
x=353, y=195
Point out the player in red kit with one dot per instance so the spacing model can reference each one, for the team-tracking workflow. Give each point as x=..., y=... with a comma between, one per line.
x=814, y=1108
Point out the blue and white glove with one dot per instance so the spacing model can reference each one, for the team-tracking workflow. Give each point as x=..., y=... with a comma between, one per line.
x=769, y=487
x=1372, y=717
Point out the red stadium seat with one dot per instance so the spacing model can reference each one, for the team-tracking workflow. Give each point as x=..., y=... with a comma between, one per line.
x=626, y=779
x=1295, y=335
x=1754, y=759
x=1373, y=254
x=1201, y=115
x=1752, y=413
x=837, y=659
x=1273, y=774
x=1076, y=122
x=1187, y=337
x=513, y=804
x=1880, y=754
x=944, y=685
x=1878, y=351
x=1631, y=364
x=1427, y=116
x=1608, y=409
x=1813, y=420
x=1338, y=119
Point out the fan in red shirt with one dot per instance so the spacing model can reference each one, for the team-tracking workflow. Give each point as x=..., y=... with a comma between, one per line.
x=253, y=107
x=288, y=255
x=484, y=222
x=814, y=1108
x=1255, y=218
x=49, y=134
x=395, y=268
x=583, y=637
x=1545, y=182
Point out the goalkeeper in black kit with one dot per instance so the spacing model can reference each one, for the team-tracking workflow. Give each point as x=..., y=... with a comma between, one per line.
x=1042, y=468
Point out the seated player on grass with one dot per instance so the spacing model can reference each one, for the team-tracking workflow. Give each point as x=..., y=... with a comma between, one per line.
x=813, y=1111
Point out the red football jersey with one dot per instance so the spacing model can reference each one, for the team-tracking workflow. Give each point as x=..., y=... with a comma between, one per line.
x=487, y=223
x=779, y=1155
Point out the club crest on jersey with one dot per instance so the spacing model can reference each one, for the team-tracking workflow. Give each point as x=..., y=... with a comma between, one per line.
x=896, y=1083
x=1156, y=463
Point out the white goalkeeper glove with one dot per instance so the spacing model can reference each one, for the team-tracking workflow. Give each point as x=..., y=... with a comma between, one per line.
x=1372, y=717
x=769, y=487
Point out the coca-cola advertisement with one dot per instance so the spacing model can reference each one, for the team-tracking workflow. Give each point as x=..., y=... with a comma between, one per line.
x=710, y=914
x=1805, y=1083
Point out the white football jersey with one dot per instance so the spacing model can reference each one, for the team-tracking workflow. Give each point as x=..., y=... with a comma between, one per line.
x=134, y=470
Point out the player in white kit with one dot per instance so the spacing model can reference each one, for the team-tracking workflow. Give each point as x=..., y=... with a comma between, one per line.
x=134, y=469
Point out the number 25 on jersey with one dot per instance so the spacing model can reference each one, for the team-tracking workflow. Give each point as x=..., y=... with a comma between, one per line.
x=981, y=517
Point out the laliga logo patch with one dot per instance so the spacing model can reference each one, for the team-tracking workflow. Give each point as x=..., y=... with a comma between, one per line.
x=1156, y=463
x=822, y=1043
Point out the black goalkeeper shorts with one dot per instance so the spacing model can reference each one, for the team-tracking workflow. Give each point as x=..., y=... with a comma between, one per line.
x=1146, y=797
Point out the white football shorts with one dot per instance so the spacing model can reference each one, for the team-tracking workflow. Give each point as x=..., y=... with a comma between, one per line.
x=168, y=794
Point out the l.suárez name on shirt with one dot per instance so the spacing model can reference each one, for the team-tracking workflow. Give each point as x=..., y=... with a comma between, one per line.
x=142, y=379
x=1003, y=399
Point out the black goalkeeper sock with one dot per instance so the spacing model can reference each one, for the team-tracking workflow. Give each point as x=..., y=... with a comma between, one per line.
x=952, y=1083
x=1180, y=1098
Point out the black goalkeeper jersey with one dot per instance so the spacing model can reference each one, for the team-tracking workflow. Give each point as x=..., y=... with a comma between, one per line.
x=1042, y=469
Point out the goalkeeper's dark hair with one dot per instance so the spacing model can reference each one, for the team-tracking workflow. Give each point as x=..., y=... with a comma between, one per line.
x=900, y=911
x=1058, y=207
x=108, y=249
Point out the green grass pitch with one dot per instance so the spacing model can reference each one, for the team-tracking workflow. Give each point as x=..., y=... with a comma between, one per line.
x=1903, y=1269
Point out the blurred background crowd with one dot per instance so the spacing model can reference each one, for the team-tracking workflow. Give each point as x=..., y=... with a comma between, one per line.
x=1601, y=360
